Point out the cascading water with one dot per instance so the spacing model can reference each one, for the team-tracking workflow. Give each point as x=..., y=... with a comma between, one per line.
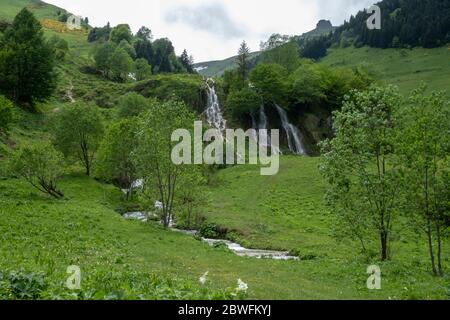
x=263, y=125
x=294, y=136
x=213, y=113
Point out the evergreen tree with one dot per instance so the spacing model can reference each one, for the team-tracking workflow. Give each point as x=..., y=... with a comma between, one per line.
x=144, y=50
x=163, y=50
x=187, y=61
x=145, y=34
x=242, y=60
x=26, y=61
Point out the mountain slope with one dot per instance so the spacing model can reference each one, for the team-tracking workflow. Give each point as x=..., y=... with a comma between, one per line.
x=217, y=68
x=401, y=67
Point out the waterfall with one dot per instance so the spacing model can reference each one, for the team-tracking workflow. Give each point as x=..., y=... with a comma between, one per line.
x=294, y=136
x=214, y=115
x=262, y=124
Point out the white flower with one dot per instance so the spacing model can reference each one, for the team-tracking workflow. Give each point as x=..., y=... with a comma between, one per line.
x=202, y=279
x=242, y=286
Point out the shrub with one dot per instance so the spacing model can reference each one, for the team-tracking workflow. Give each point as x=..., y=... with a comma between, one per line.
x=132, y=104
x=41, y=165
x=21, y=285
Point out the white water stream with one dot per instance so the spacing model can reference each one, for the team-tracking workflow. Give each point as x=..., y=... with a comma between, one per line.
x=294, y=136
x=234, y=247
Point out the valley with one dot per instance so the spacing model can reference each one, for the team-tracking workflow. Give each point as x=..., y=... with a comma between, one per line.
x=290, y=212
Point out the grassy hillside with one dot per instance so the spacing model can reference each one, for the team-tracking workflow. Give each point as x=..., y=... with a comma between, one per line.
x=218, y=68
x=40, y=9
x=401, y=67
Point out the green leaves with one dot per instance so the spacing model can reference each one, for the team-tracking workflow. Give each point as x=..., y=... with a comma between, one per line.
x=153, y=155
x=360, y=167
x=77, y=132
x=115, y=162
x=26, y=61
x=269, y=80
x=41, y=165
x=243, y=101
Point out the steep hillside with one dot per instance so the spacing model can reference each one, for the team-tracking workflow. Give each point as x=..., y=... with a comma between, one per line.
x=402, y=67
x=39, y=8
x=217, y=68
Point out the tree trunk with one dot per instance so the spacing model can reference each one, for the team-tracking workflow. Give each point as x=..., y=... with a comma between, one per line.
x=439, y=249
x=430, y=246
x=384, y=246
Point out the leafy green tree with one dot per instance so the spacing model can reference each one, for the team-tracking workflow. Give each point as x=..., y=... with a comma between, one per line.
x=153, y=155
x=269, y=80
x=360, y=167
x=125, y=45
x=232, y=81
x=131, y=105
x=121, y=32
x=244, y=101
x=102, y=57
x=145, y=34
x=26, y=61
x=114, y=161
x=287, y=55
x=242, y=60
x=274, y=41
x=7, y=114
x=144, y=50
x=120, y=65
x=40, y=165
x=177, y=66
x=142, y=69
x=96, y=34
x=163, y=50
x=308, y=84
x=190, y=198
x=78, y=130
x=424, y=155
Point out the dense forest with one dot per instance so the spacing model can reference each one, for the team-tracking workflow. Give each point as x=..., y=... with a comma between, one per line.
x=405, y=23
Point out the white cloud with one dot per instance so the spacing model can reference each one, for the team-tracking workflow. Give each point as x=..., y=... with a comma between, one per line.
x=213, y=29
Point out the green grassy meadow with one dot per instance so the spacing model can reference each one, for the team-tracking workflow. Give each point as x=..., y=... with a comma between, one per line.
x=127, y=259
x=43, y=235
x=404, y=68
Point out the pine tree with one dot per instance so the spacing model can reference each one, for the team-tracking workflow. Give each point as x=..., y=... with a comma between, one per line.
x=26, y=61
x=186, y=61
x=242, y=60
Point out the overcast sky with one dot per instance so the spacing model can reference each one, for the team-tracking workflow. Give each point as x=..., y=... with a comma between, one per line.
x=213, y=29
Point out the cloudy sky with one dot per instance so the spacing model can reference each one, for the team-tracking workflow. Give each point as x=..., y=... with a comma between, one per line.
x=213, y=29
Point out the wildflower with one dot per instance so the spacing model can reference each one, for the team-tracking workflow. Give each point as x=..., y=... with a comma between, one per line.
x=242, y=286
x=202, y=279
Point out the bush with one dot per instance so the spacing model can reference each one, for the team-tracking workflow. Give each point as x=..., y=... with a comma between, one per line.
x=131, y=105
x=213, y=231
x=21, y=285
